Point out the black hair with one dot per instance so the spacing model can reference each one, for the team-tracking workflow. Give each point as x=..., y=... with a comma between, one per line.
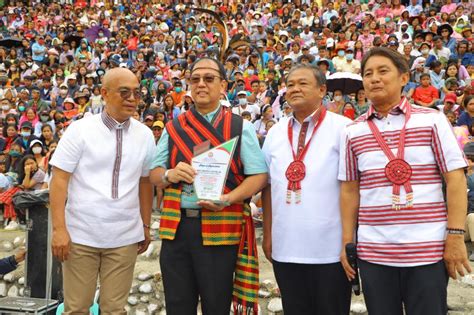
x=318, y=75
x=397, y=59
x=219, y=64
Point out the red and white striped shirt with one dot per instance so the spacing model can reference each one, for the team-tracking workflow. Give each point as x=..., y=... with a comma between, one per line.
x=409, y=236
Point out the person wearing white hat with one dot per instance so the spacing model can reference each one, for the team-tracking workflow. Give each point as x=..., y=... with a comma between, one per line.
x=243, y=105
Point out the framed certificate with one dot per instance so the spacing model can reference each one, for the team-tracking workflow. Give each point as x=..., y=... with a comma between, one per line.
x=212, y=168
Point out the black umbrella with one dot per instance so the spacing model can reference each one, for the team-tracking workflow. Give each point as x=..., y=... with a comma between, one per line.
x=11, y=42
x=73, y=38
x=347, y=82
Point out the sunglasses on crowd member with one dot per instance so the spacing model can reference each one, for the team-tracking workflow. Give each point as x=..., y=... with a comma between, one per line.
x=126, y=93
x=207, y=78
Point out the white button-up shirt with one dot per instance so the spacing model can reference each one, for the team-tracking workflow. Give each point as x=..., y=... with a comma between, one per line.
x=106, y=160
x=309, y=232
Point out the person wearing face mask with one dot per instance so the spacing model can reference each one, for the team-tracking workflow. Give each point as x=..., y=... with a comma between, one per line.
x=37, y=150
x=351, y=64
x=44, y=119
x=337, y=104
x=26, y=135
x=39, y=50
x=6, y=108
x=339, y=60
x=178, y=94
x=244, y=106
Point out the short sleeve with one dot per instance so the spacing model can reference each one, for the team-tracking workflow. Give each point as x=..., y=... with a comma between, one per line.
x=348, y=168
x=39, y=177
x=266, y=150
x=150, y=141
x=250, y=152
x=161, y=152
x=448, y=154
x=69, y=150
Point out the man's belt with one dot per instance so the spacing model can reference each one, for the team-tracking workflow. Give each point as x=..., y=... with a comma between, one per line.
x=191, y=213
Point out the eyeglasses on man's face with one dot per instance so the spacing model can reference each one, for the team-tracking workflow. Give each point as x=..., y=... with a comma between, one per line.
x=126, y=93
x=207, y=78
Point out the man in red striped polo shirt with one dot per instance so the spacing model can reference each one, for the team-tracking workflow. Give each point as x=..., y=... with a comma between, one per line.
x=392, y=165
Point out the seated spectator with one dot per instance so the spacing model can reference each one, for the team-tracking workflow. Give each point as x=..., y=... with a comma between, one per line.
x=465, y=119
x=450, y=106
x=425, y=95
x=469, y=235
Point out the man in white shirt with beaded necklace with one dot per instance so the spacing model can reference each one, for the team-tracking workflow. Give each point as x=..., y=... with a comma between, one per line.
x=101, y=166
x=302, y=227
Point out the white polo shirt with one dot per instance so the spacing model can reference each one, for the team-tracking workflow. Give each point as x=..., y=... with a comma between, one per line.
x=106, y=160
x=309, y=232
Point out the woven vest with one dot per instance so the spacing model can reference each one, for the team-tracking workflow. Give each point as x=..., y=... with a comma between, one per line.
x=186, y=131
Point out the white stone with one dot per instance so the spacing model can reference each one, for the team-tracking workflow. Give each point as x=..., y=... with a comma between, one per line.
x=468, y=279
x=17, y=241
x=358, y=308
x=141, y=312
x=162, y=312
x=6, y=246
x=9, y=277
x=264, y=293
x=155, y=225
x=152, y=308
x=275, y=305
x=127, y=308
x=132, y=300
x=144, y=299
x=13, y=291
x=145, y=288
x=149, y=251
x=144, y=276
x=3, y=288
x=21, y=281
x=21, y=292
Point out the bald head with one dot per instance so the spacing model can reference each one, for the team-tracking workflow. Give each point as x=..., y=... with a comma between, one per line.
x=116, y=75
x=121, y=92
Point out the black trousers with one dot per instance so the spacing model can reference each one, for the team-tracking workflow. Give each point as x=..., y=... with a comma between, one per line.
x=190, y=270
x=420, y=290
x=313, y=289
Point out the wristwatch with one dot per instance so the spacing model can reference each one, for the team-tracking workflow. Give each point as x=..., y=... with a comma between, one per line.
x=164, y=178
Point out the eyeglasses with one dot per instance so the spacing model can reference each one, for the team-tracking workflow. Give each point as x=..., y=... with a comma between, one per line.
x=126, y=93
x=208, y=78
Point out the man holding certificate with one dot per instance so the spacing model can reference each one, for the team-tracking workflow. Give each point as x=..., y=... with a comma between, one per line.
x=209, y=162
x=302, y=225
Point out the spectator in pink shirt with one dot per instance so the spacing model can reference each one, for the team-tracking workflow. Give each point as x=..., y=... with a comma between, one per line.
x=449, y=7
x=366, y=38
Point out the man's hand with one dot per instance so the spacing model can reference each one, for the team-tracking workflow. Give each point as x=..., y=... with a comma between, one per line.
x=350, y=272
x=143, y=245
x=20, y=255
x=61, y=244
x=209, y=205
x=455, y=256
x=267, y=247
x=183, y=172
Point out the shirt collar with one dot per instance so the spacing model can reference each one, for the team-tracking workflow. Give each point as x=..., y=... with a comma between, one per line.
x=112, y=124
x=210, y=116
x=402, y=107
x=314, y=117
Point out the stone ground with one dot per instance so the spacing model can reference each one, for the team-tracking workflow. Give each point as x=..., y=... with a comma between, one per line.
x=146, y=294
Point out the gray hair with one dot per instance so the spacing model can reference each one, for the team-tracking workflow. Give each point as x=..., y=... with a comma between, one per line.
x=318, y=75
